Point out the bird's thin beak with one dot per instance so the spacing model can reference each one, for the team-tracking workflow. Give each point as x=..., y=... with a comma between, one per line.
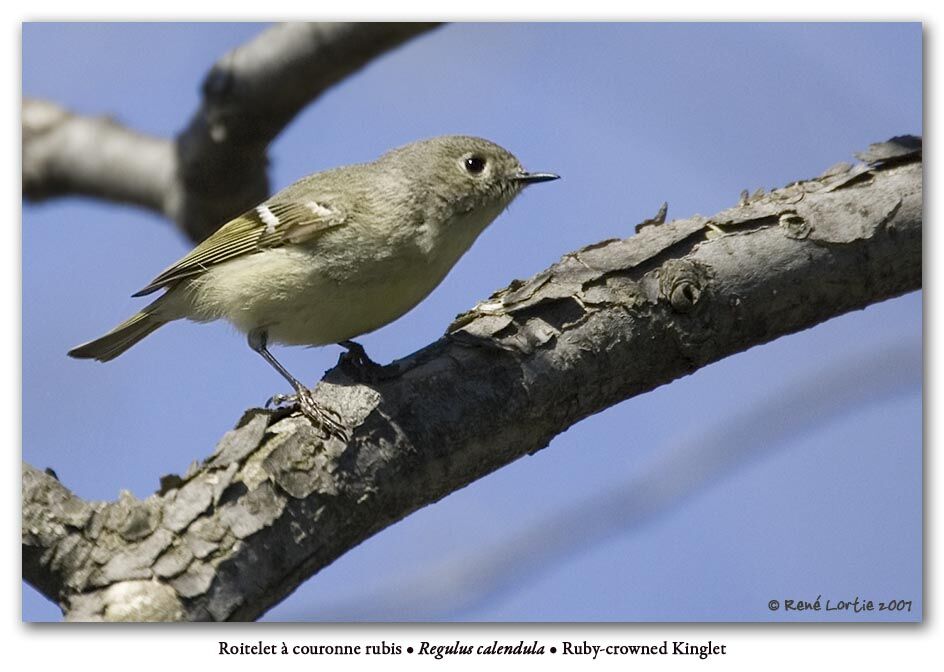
x=532, y=178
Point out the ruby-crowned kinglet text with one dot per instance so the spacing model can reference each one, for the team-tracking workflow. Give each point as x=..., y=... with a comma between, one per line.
x=338, y=253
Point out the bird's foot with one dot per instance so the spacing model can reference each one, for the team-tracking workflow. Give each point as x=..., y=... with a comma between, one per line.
x=356, y=364
x=325, y=419
x=279, y=400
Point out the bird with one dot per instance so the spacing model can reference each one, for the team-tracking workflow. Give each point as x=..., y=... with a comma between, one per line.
x=335, y=255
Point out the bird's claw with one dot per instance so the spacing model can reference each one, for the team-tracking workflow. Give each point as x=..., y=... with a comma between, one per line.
x=325, y=419
x=280, y=399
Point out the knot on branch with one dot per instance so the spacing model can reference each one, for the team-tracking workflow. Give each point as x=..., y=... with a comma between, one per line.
x=682, y=282
x=795, y=226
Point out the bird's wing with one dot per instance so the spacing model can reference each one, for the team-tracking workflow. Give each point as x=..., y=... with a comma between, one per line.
x=271, y=224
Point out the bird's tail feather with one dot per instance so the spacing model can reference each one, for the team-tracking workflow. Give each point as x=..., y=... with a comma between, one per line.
x=121, y=337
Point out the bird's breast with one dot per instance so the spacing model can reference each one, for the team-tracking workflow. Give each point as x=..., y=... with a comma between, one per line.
x=306, y=297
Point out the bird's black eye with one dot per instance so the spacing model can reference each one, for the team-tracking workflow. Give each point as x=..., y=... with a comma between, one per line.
x=475, y=164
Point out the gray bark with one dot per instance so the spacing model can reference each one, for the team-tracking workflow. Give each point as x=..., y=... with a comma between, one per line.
x=217, y=167
x=276, y=502
x=65, y=154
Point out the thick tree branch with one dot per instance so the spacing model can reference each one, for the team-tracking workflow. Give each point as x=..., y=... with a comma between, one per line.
x=275, y=503
x=217, y=166
x=250, y=95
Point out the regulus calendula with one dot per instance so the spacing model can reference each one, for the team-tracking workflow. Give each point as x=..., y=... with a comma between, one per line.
x=336, y=254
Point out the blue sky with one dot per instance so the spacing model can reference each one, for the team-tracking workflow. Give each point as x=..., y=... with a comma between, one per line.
x=702, y=500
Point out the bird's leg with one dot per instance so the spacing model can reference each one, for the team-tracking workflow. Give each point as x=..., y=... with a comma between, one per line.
x=357, y=364
x=324, y=418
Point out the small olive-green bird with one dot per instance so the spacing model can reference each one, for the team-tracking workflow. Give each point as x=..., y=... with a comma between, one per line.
x=336, y=254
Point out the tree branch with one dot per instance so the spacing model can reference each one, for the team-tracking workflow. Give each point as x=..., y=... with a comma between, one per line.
x=217, y=167
x=65, y=154
x=275, y=503
x=467, y=579
x=250, y=95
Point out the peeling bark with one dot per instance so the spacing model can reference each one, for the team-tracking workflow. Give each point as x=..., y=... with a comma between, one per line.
x=276, y=502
